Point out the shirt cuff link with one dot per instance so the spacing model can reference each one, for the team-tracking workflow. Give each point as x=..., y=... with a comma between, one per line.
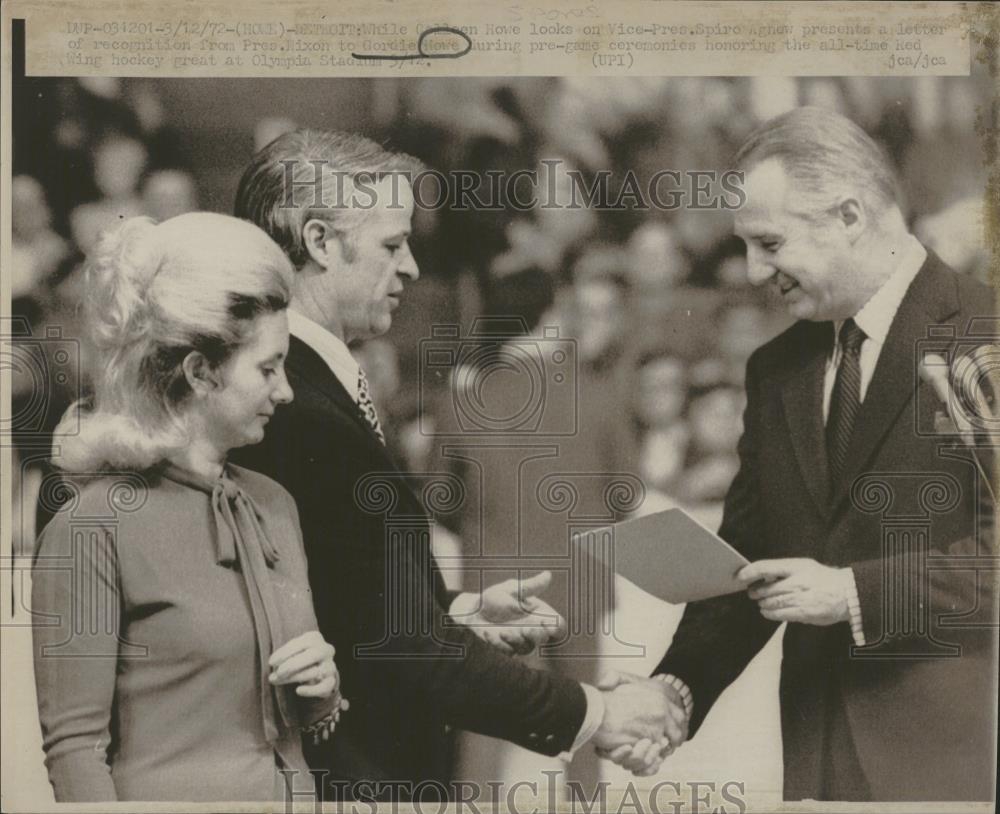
x=854, y=608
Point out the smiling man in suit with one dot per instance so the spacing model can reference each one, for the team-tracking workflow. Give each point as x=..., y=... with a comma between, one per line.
x=888, y=675
x=340, y=206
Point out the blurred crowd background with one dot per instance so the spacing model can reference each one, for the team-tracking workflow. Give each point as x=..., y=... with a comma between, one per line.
x=651, y=307
x=655, y=302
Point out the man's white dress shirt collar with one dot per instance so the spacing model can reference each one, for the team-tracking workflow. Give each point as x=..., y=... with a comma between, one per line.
x=877, y=314
x=331, y=349
x=875, y=318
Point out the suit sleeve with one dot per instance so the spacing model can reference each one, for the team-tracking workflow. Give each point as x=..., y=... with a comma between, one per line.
x=74, y=586
x=717, y=638
x=469, y=683
x=954, y=591
x=378, y=601
x=949, y=591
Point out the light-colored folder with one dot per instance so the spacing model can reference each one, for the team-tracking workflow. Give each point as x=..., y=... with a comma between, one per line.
x=668, y=554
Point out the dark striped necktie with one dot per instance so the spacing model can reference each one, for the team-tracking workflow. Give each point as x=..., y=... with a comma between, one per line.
x=845, y=400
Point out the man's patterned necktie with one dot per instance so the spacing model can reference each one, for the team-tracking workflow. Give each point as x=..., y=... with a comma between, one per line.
x=368, y=406
x=845, y=401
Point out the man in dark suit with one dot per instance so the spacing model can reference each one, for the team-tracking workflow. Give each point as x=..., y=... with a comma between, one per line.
x=868, y=525
x=341, y=207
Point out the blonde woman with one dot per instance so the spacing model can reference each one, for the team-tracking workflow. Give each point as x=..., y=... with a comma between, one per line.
x=177, y=655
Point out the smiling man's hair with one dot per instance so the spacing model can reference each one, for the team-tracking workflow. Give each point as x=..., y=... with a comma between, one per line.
x=828, y=156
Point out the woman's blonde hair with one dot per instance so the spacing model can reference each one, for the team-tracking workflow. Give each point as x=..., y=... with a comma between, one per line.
x=155, y=293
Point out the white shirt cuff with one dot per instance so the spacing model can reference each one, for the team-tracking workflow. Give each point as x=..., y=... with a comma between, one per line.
x=853, y=607
x=591, y=721
x=467, y=603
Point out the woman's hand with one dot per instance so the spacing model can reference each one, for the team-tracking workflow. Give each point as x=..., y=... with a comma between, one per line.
x=306, y=660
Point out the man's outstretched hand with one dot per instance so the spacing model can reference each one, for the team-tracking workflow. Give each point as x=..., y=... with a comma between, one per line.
x=510, y=615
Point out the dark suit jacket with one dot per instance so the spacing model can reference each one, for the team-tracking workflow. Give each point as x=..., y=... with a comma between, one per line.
x=320, y=448
x=923, y=728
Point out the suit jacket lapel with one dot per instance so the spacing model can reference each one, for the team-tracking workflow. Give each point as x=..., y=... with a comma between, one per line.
x=802, y=398
x=314, y=372
x=930, y=299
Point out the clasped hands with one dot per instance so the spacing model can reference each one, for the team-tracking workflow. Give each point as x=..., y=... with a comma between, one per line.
x=644, y=722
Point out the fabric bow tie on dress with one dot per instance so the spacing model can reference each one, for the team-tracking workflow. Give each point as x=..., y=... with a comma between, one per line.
x=242, y=541
x=244, y=523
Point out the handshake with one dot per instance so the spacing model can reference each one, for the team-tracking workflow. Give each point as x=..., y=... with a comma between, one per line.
x=644, y=718
x=644, y=722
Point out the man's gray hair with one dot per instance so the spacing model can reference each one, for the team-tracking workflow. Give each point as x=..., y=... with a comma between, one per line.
x=828, y=155
x=279, y=189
